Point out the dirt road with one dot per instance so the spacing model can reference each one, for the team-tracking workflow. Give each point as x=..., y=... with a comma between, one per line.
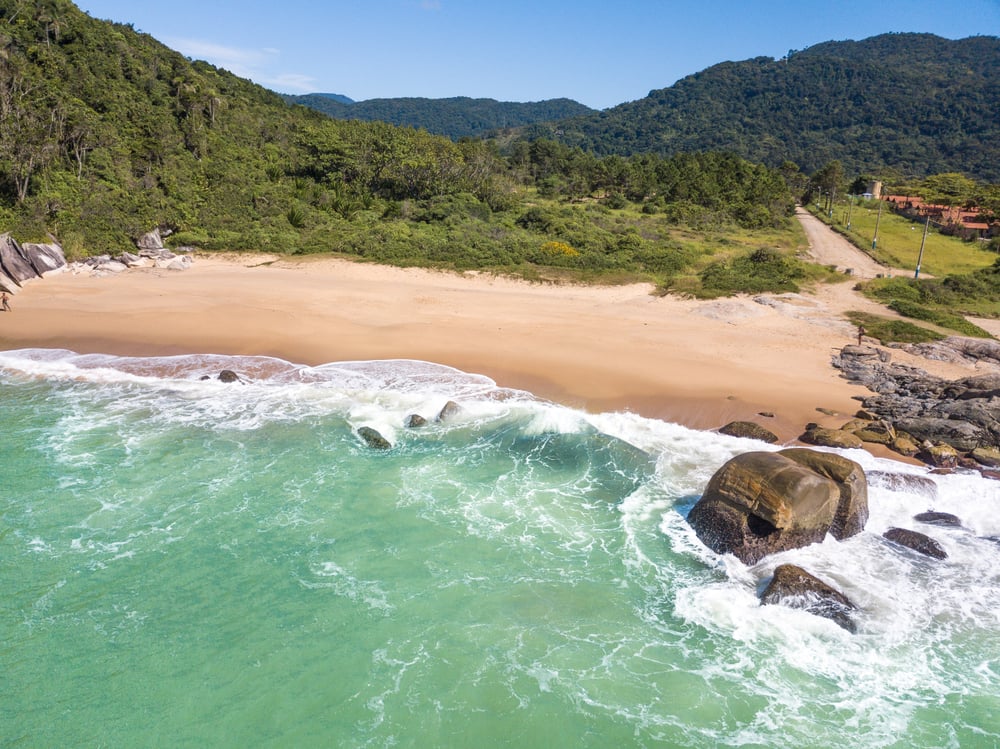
x=826, y=247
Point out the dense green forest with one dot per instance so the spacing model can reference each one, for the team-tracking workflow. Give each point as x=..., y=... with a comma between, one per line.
x=458, y=117
x=105, y=134
x=913, y=104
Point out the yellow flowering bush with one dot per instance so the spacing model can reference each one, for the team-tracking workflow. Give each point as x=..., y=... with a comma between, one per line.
x=559, y=248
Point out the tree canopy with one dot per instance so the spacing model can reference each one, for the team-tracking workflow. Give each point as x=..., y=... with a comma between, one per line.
x=912, y=102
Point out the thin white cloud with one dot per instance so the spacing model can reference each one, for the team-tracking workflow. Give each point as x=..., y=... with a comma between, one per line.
x=221, y=55
x=288, y=82
x=254, y=64
x=430, y=4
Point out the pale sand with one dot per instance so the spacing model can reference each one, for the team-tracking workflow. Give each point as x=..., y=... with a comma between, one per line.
x=701, y=364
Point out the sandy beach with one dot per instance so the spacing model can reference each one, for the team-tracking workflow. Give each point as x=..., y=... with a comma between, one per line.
x=701, y=364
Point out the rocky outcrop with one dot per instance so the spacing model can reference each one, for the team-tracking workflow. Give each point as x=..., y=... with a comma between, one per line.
x=760, y=503
x=45, y=258
x=13, y=262
x=944, y=420
x=749, y=430
x=916, y=541
x=102, y=265
x=7, y=283
x=793, y=586
x=19, y=263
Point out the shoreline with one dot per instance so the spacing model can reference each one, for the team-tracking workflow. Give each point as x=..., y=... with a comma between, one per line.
x=701, y=364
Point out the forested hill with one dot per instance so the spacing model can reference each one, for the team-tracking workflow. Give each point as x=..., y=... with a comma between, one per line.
x=916, y=103
x=456, y=117
x=105, y=134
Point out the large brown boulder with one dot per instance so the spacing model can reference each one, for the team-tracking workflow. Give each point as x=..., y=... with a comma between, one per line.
x=760, y=503
x=793, y=586
x=852, y=510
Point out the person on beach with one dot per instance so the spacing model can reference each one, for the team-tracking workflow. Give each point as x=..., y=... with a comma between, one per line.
x=861, y=333
x=4, y=303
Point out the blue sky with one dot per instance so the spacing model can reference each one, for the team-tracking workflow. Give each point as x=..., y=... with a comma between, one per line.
x=599, y=53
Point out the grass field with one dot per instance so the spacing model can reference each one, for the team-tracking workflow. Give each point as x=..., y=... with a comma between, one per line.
x=899, y=240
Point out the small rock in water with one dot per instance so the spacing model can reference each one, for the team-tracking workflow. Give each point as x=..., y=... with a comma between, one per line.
x=938, y=518
x=795, y=587
x=228, y=375
x=374, y=439
x=904, y=482
x=916, y=541
x=449, y=410
x=415, y=420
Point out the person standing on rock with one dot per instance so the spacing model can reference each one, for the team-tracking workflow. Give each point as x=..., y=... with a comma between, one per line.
x=4, y=302
x=861, y=333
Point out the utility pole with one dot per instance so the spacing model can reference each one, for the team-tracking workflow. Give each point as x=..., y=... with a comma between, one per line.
x=878, y=217
x=920, y=255
x=850, y=209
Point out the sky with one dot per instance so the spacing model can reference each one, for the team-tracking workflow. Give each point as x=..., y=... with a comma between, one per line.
x=597, y=52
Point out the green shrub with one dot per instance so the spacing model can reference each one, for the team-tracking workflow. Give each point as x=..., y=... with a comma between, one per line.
x=893, y=331
x=764, y=270
x=937, y=317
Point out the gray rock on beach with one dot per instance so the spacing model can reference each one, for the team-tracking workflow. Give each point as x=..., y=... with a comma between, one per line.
x=151, y=240
x=13, y=262
x=749, y=430
x=19, y=263
x=46, y=259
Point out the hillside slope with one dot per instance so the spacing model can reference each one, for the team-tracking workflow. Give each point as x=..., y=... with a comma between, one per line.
x=915, y=103
x=106, y=133
x=457, y=117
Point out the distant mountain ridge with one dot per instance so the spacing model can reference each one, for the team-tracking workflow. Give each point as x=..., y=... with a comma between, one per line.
x=456, y=117
x=916, y=103
x=335, y=97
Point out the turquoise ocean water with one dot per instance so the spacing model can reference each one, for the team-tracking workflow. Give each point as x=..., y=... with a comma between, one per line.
x=185, y=563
